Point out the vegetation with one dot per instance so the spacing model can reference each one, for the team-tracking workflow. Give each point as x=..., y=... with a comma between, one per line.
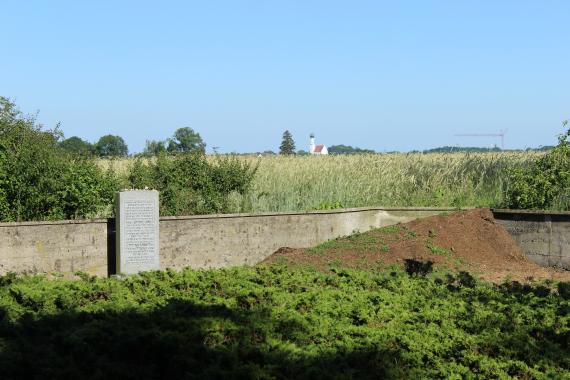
x=43, y=177
x=111, y=146
x=184, y=140
x=546, y=183
x=41, y=181
x=77, y=146
x=280, y=322
x=452, y=149
x=302, y=183
x=287, y=146
x=190, y=184
x=347, y=149
x=288, y=183
x=154, y=148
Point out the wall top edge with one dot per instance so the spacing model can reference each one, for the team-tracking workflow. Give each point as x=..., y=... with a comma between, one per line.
x=529, y=212
x=56, y=222
x=243, y=215
x=326, y=212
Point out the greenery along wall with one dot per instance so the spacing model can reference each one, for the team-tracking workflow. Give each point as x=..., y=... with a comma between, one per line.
x=44, y=177
x=39, y=180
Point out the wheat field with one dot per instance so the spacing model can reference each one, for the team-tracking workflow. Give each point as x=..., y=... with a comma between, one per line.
x=302, y=183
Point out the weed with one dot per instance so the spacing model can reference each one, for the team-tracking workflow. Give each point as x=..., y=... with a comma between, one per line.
x=437, y=250
x=390, y=229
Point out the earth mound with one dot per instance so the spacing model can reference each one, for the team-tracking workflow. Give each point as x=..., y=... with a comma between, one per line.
x=467, y=240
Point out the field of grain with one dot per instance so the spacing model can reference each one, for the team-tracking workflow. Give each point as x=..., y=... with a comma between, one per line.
x=300, y=183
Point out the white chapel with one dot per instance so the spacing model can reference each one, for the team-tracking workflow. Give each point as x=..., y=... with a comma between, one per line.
x=317, y=150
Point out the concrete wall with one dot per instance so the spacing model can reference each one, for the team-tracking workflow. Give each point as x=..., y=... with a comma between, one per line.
x=62, y=246
x=544, y=236
x=196, y=241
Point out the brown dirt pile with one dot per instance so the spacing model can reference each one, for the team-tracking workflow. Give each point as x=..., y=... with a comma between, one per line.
x=468, y=240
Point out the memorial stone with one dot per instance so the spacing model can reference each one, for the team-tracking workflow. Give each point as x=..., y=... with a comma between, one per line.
x=137, y=235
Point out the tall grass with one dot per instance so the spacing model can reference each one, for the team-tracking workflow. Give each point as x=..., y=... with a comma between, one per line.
x=300, y=183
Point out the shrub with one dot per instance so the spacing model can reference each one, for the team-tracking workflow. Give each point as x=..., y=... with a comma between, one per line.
x=39, y=180
x=545, y=184
x=279, y=322
x=189, y=184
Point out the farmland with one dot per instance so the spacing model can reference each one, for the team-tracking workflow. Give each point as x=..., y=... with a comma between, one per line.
x=301, y=183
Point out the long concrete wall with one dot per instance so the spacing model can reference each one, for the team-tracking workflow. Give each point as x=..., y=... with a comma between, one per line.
x=197, y=241
x=544, y=236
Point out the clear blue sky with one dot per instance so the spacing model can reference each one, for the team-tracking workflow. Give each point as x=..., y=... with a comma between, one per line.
x=384, y=75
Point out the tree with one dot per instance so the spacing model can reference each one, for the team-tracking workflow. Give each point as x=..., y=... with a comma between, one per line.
x=287, y=146
x=41, y=181
x=111, y=146
x=347, y=149
x=186, y=140
x=76, y=145
x=154, y=147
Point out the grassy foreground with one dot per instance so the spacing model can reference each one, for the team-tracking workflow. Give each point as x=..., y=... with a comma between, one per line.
x=278, y=322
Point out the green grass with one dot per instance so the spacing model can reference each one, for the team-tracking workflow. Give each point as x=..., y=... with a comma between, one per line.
x=278, y=322
x=437, y=250
x=359, y=242
x=390, y=229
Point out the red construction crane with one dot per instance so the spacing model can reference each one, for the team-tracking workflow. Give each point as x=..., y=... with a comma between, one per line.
x=501, y=134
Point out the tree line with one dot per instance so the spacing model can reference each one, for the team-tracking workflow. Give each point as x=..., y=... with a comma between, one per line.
x=44, y=177
x=183, y=140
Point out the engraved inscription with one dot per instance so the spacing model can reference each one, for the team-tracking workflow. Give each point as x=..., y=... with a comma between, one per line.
x=139, y=239
x=137, y=231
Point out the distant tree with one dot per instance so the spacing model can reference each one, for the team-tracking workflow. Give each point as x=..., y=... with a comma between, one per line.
x=347, y=149
x=544, y=148
x=287, y=146
x=76, y=145
x=186, y=140
x=111, y=146
x=302, y=152
x=465, y=149
x=154, y=147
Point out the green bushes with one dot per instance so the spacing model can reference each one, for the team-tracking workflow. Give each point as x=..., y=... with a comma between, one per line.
x=280, y=322
x=544, y=184
x=42, y=179
x=190, y=184
x=39, y=180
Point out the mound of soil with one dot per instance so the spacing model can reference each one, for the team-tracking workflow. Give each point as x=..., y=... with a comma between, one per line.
x=468, y=240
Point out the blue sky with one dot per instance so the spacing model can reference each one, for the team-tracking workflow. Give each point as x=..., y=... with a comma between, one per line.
x=384, y=75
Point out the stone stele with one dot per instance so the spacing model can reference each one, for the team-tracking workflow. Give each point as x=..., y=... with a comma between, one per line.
x=137, y=231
